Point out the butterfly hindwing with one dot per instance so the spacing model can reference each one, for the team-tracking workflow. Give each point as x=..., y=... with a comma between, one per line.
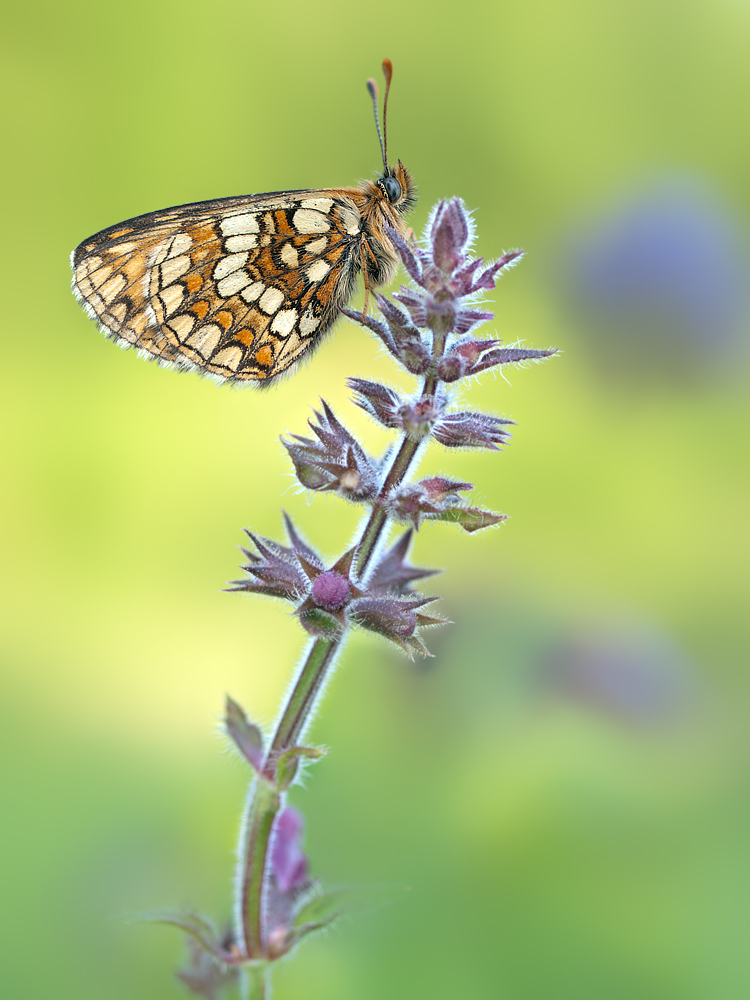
x=239, y=288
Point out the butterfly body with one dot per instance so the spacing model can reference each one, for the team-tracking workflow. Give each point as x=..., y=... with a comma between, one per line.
x=241, y=288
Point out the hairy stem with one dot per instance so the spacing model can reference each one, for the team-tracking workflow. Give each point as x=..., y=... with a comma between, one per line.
x=301, y=700
x=255, y=985
x=264, y=801
x=401, y=464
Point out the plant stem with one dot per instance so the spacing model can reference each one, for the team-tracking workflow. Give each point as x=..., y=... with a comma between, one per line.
x=301, y=700
x=264, y=801
x=255, y=986
x=379, y=516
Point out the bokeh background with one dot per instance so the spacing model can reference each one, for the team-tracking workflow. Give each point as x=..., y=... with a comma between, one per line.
x=563, y=789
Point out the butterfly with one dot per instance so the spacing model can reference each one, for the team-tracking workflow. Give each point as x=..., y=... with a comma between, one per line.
x=242, y=288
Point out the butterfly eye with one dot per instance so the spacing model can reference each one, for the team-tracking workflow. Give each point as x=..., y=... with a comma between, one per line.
x=392, y=188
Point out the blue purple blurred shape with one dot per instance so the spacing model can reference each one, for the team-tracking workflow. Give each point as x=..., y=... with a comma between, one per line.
x=632, y=673
x=658, y=278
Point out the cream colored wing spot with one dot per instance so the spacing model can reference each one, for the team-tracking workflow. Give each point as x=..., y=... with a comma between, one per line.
x=229, y=264
x=317, y=246
x=308, y=323
x=98, y=275
x=317, y=270
x=254, y=292
x=172, y=298
x=350, y=220
x=283, y=322
x=235, y=244
x=306, y=220
x=87, y=267
x=206, y=339
x=240, y=225
x=174, y=268
x=174, y=246
x=119, y=310
x=318, y=204
x=233, y=283
x=112, y=288
x=182, y=325
x=230, y=358
x=289, y=255
x=271, y=300
x=121, y=249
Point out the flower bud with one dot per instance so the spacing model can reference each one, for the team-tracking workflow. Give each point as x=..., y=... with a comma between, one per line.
x=330, y=591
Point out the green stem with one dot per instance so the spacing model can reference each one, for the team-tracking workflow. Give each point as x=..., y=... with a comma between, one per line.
x=301, y=700
x=255, y=985
x=264, y=801
x=401, y=464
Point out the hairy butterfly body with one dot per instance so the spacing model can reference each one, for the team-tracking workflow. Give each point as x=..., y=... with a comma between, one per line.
x=242, y=288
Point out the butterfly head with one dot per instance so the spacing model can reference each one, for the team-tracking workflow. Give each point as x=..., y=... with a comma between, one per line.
x=397, y=188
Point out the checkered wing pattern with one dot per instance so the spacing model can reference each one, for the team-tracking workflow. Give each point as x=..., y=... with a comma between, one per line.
x=239, y=288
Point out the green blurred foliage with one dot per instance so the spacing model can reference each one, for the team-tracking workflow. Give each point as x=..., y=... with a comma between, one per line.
x=557, y=842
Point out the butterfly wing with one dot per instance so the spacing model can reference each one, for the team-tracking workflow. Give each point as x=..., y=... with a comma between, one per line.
x=239, y=288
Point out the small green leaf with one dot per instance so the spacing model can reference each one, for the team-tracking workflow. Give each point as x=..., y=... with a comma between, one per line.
x=320, y=623
x=288, y=764
x=244, y=734
x=469, y=518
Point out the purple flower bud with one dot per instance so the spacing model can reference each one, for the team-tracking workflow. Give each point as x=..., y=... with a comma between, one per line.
x=418, y=418
x=438, y=489
x=289, y=880
x=468, y=319
x=452, y=367
x=414, y=257
x=288, y=861
x=335, y=461
x=451, y=230
x=426, y=499
x=392, y=617
x=471, y=430
x=275, y=571
x=380, y=401
x=330, y=591
x=408, y=346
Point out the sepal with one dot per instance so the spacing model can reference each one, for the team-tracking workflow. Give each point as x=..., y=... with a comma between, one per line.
x=425, y=499
x=335, y=461
x=471, y=430
x=245, y=735
x=416, y=417
x=392, y=575
x=470, y=518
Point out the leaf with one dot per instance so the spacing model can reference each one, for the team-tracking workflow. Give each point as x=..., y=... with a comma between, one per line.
x=244, y=734
x=288, y=764
x=469, y=518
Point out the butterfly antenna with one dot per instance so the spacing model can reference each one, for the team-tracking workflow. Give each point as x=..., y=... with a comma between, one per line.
x=372, y=89
x=388, y=74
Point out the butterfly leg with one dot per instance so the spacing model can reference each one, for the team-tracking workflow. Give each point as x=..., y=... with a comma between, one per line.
x=363, y=249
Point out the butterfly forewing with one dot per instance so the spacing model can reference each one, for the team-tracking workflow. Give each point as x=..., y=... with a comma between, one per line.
x=238, y=287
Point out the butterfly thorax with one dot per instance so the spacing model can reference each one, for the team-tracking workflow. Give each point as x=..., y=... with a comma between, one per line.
x=383, y=203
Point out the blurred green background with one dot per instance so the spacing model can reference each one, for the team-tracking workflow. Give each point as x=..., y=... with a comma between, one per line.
x=564, y=788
